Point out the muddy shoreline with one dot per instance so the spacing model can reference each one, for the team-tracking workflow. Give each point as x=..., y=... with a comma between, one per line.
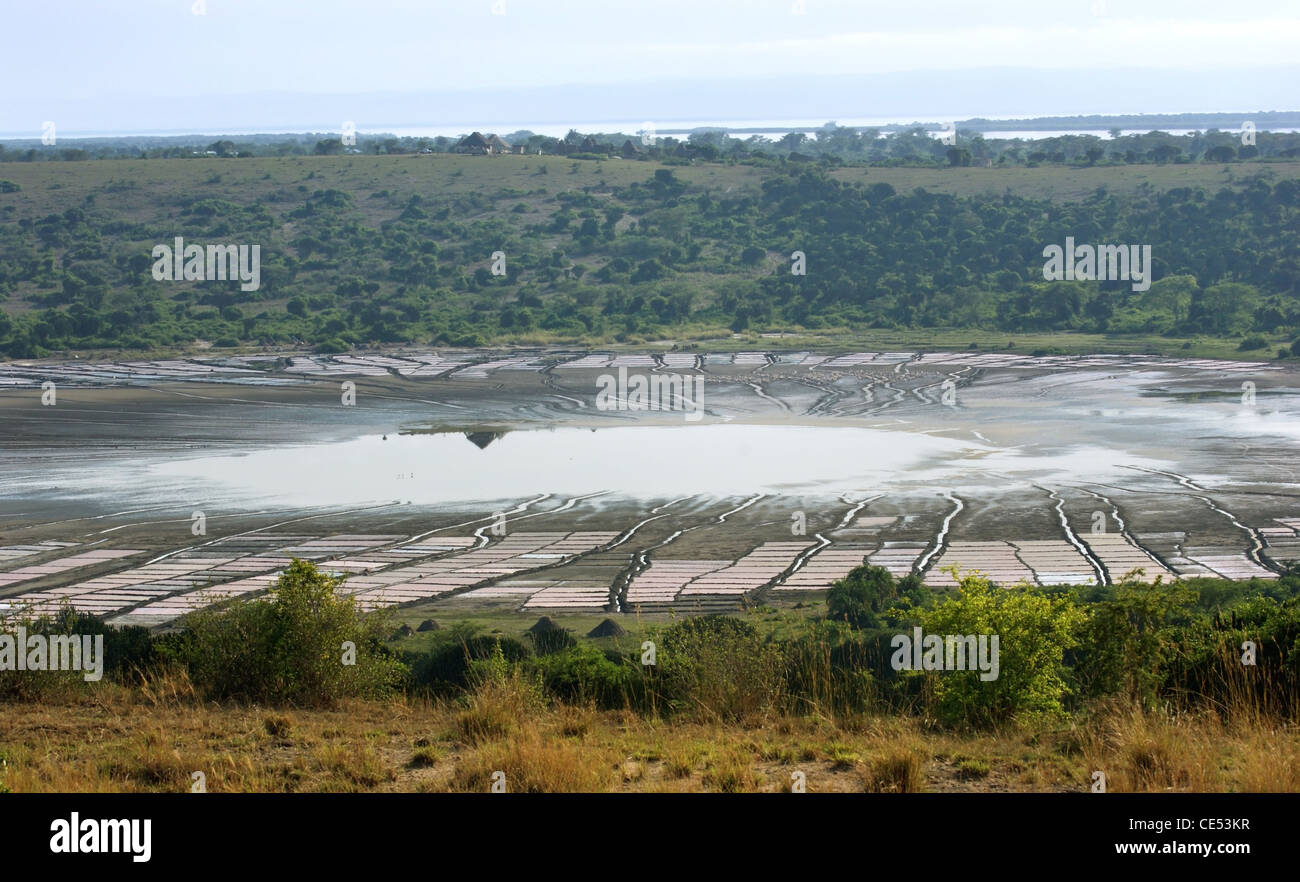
x=1016, y=463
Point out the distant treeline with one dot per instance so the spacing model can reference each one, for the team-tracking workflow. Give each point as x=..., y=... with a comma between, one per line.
x=912, y=146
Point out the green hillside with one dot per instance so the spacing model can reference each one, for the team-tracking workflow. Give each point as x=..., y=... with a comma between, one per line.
x=364, y=249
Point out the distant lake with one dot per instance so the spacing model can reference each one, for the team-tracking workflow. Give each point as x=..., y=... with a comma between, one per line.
x=743, y=129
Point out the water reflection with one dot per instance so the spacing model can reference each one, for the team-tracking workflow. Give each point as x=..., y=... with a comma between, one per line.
x=483, y=439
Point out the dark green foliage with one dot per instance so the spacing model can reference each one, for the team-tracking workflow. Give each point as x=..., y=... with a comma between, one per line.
x=582, y=674
x=865, y=596
x=125, y=651
x=448, y=667
x=861, y=596
x=1166, y=645
x=396, y=267
x=291, y=647
x=717, y=666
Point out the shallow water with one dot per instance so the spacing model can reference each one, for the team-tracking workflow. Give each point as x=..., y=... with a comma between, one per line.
x=642, y=461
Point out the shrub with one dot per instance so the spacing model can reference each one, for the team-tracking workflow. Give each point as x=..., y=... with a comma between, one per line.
x=859, y=597
x=331, y=346
x=124, y=649
x=448, y=667
x=289, y=647
x=865, y=598
x=719, y=666
x=1125, y=640
x=1034, y=633
x=551, y=640
x=582, y=674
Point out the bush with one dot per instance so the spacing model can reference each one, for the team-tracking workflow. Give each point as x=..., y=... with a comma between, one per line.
x=867, y=597
x=124, y=649
x=860, y=596
x=448, y=666
x=1034, y=633
x=582, y=674
x=290, y=647
x=331, y=346
x=1125, y=642
x=719, y=666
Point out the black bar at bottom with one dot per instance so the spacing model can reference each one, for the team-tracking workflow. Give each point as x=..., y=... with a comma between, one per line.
x=390, y=832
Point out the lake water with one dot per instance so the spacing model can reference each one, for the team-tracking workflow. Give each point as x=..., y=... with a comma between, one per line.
x=677, y=128
x=641, y=461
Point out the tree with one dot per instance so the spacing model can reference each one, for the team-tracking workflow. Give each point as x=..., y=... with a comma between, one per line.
x=304, y=643
x=861, y=596
x=1033, y=634
x=648, y=271
x=1166, y=152
x=1127, y=638
x=1228, y=307
x=1221, y=153
x=792, y=141
x=1173, y=294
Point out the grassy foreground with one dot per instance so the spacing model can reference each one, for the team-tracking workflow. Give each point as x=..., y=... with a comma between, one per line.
x=154, y=736
x=1185, y=686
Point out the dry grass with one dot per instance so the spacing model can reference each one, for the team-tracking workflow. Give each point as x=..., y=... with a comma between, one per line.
x=153, y=737
x=1199, y=752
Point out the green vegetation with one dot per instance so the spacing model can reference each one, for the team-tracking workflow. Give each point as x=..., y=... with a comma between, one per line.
x=1146, y=682
x=305, y=644
x=1033, y=633
x=1217, y=139
x=1062, y=650
x=868, y=593
x=364, y=249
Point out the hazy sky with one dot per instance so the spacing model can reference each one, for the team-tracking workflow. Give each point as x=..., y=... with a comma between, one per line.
x=83, y=51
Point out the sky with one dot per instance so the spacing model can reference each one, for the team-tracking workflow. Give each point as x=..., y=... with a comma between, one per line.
x=98, y=64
